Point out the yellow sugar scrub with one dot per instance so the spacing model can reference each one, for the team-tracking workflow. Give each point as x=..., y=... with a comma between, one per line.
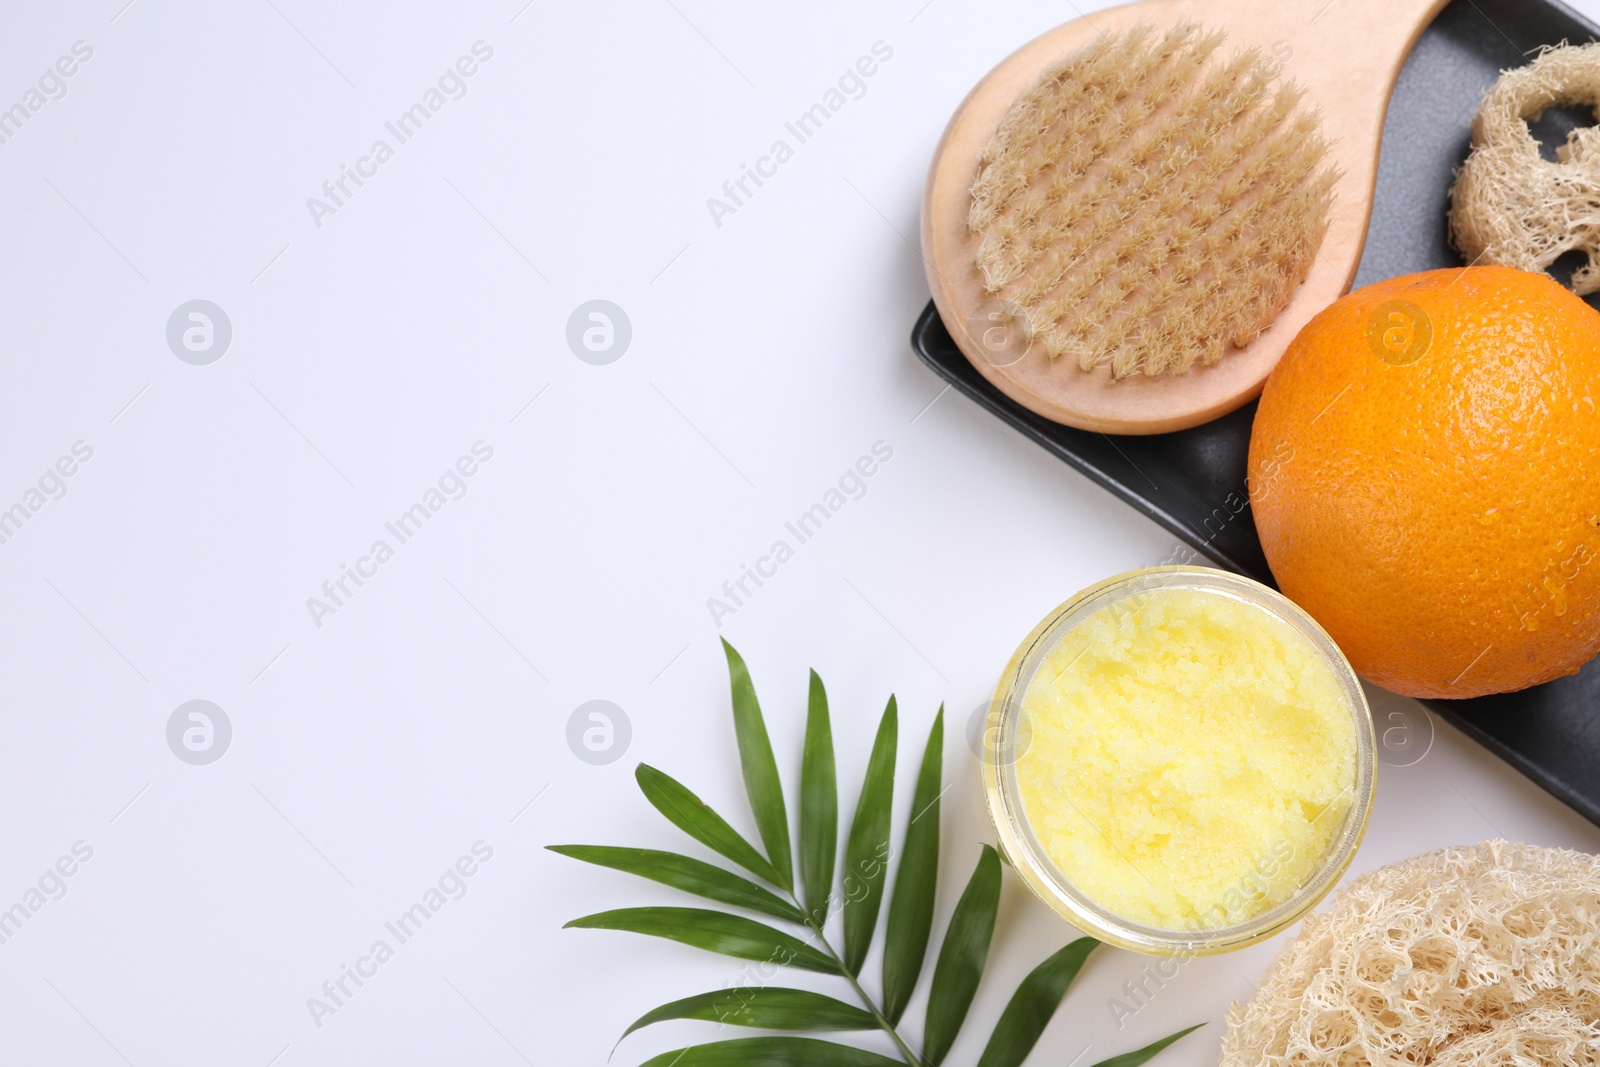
x=1183, y=761
x=1192, y=757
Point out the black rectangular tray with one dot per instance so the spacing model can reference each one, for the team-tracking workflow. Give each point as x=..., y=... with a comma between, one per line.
x=1192, y=482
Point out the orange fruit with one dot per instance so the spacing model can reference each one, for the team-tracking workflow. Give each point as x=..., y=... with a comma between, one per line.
x=1425, y=476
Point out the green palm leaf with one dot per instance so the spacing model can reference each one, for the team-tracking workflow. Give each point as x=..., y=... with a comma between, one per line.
x=694, y=817
x=866, y=854
x=760, y=769
x=962, y=958
x=911, y=905
x=1032, y=1005
x=766, y=1007
x=819, y=806
x=714, y=931
x=689, y=875
x=771, y=1052
x=1134, y=1059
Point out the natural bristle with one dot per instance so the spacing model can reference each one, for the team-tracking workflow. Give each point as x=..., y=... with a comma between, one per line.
x=1146, y=203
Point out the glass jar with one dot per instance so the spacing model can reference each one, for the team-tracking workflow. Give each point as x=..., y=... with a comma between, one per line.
x=1008, y=728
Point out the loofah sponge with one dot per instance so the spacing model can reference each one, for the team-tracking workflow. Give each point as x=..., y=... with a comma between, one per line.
x=1146, y=202
x=1488, y=954
x=1512, y=206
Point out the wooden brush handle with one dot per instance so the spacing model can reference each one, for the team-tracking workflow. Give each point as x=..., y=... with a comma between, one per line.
x=1356, y=31
x=1347, y=53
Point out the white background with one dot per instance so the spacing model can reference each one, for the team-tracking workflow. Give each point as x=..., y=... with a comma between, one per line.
x=369, y=753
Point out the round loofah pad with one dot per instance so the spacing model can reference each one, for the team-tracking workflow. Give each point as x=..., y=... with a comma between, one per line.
x=1512, y=206
x=1148, y=202
x=1487, y=954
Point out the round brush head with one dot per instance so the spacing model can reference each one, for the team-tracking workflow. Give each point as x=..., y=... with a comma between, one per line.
x=1148, y=202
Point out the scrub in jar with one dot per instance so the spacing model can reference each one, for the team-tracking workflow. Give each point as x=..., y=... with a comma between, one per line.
x=1192, y=758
